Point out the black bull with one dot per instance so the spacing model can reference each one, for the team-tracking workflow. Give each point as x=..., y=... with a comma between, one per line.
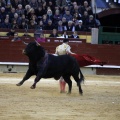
x=47, y=66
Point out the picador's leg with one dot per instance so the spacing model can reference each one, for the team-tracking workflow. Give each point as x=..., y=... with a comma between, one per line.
x=26, y=77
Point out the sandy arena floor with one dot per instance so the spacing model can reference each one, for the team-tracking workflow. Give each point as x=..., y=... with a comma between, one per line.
x=100, y=101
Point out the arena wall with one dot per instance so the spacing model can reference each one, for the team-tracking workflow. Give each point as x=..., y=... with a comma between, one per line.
x=12, y=52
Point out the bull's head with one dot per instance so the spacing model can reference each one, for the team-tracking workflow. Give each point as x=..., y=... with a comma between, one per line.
x=25, y=43
x=34, y=51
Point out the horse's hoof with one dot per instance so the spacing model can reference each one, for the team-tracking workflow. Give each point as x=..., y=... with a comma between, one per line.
x=32, y=87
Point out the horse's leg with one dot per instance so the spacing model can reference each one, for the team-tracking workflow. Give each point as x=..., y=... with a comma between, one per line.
x=69, y=82
x=26, y=77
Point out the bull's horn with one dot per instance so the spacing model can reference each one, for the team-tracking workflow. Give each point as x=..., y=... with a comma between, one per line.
x=37, y=43
x=25, y=43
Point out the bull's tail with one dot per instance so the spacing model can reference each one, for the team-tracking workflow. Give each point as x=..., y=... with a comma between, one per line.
x=82, y=78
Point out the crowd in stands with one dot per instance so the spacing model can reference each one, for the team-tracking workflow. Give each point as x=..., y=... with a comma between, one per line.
x=63, y=15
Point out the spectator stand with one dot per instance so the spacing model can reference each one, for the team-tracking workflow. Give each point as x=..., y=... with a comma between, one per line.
x=83, y=35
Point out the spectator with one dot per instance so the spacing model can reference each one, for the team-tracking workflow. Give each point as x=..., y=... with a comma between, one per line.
x=14, y=3
x=2, y=3
x=40, y=26
x=24, y=3
x=80, y=26
x=44, y=6
x=85, y=18
x=74, y=35
x=8, y=17
x=76, y=18
x=58, y=8
x=15, y=25
x=91, y=23
x=53, y=1
x=27, y=11
x=64, y=22
x=11, y=32
x=54, y=33
x=41, y=2
x=86, y=7
x=57, y=17
x=2, y=14
x=49, y=26
x=49, y=15
x=44, y=19
x=76, y=9
x=51, y=5
x=17, y=19
x=40, y=39
x=23, y=25
x=33, y=4
x=23, y=19
x=60, y=27
x=32, y=25
x=11, y=13
x=88, y=1
x=8, y=7
x=30, y=14
x=67, y=15
x=64, y=35
x=20, y=10
x=16, y=37
x=34, y=18
x=66, y=8
x=39, y=12
x=70, y=26
x=61, y=3
x=6, y=24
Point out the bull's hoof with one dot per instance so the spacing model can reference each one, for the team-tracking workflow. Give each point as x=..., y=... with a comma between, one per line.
x=81, y=93
x=68, y=93
x=32, y=87
x=19, y=84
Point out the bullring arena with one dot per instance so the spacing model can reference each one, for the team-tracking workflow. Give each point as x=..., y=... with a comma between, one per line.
x=101, y=93
x=100, y=101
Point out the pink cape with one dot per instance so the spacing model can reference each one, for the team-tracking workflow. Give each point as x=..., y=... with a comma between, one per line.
x=85, y=60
